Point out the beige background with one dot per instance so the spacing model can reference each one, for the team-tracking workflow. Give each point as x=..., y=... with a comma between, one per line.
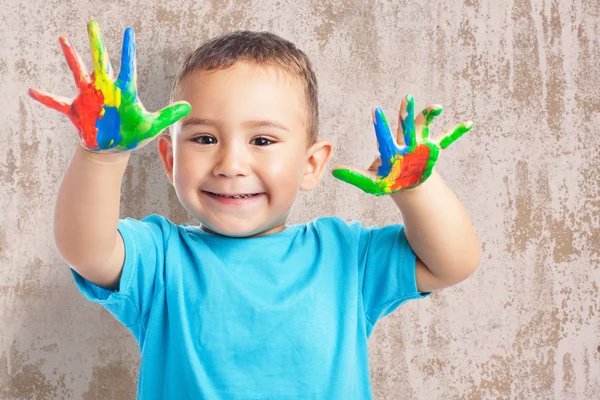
x=524, y=326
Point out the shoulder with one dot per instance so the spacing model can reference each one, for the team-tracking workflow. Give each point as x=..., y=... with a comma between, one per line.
x=355, y=229
x=150, y=220
x=153, y=227
x=327, y=223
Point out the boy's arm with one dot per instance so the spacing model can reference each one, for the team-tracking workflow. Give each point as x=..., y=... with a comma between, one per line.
x=111, y=121
x=87, y=214
x=440, y=233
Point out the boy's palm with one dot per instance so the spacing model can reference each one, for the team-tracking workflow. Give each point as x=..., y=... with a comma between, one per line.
x=402, y=167
x=108, y=113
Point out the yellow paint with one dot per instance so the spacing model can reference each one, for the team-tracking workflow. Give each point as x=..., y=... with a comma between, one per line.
x=387, y=182
x=111, y=93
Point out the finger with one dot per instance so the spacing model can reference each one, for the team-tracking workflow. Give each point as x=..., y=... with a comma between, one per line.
x=387, y=147
x=169, y=115
x=357, y=177
x=103, y=78
x=406, y=122
x=61, y=105
x=451, y=135
x=75, y=63
x=425, y=118
x=366, y=173
x=102, y=67
x=126, y=80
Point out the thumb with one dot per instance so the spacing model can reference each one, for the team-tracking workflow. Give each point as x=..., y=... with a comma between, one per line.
x=169, y=115
x=337, y=168
x=362, y=179
x=59, y=104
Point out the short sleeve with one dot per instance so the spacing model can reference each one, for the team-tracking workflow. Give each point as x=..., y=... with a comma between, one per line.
x=387, y=269
x=142, y=277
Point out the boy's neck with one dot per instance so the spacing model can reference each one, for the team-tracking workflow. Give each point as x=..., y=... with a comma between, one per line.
x=270, y=231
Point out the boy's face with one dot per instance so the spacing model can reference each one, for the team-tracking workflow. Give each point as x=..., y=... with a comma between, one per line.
x=239, y=158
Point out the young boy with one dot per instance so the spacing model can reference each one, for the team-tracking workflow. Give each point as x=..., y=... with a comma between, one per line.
x=244, y=306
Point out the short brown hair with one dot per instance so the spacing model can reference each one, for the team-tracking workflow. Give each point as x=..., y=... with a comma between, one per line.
x=263, y=48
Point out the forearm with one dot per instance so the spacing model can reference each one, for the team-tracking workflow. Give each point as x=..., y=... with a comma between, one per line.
x=439, y=230
x=87, y=207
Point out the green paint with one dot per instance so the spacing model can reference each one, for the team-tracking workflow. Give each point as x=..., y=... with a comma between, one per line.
x=434, y=154
x=408, y=124
x=362, y=182
x=460, y=130
x=434, y=112
x=430, y=115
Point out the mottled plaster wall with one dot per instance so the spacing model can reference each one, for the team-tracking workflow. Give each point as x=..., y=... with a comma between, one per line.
x=525, y=325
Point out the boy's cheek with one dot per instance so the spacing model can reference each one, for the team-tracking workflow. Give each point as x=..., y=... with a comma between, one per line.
x=286, y=168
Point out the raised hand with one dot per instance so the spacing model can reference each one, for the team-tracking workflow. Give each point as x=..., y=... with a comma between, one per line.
x=403, y=167
x=107, y=112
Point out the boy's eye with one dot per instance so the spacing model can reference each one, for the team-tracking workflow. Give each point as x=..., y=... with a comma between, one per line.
x=205, y=140
x=261, y=141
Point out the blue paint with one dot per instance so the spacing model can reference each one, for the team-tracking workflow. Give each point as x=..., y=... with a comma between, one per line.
x=408, y=125
x=125, y=81
x=387, y=144
x=109, y=128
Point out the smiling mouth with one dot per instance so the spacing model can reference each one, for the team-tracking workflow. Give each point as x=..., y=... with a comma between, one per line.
x=233, y=196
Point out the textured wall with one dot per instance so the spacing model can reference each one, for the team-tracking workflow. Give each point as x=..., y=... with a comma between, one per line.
x=525, y=325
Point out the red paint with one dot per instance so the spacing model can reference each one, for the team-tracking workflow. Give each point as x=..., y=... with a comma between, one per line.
x=75, y=65
x=86, y=108
x=413, y=168
x=50, y=101
x=85, y=111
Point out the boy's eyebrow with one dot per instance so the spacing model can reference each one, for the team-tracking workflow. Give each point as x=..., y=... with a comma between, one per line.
x=265, y=123
x=191, y=121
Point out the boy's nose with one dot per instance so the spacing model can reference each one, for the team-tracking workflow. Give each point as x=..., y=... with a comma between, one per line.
x=231, y=163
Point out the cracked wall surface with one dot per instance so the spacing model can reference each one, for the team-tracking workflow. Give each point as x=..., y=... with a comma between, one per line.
x=526, y=325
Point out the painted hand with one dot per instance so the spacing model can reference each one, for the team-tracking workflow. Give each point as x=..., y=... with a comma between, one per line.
x=403, y=167
x=107, y=112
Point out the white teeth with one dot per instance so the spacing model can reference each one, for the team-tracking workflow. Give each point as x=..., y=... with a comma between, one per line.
x=239, y=196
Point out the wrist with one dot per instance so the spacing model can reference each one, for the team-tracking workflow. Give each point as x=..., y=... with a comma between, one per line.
x=104, y=157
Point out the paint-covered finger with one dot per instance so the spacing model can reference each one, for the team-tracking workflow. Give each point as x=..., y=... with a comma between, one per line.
x=425, y=118
x=451, y=135
x=355, y=178
x=103, y=78
x=126, y=80
x=169, y=115
x=75, y=63
x=102, y=67
x=56, y=103
x=406, y=122
x=385, y=141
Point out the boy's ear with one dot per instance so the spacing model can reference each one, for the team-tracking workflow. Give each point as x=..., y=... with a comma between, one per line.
x=318, y=155
x=165, y=148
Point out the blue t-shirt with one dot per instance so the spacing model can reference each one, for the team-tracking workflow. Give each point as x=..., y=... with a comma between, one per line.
x=283, y=316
